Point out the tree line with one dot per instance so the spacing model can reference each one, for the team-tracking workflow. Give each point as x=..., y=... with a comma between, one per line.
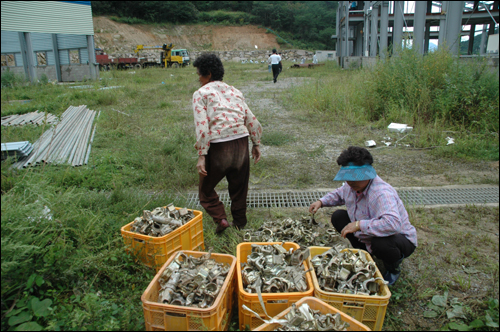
x=301, y=24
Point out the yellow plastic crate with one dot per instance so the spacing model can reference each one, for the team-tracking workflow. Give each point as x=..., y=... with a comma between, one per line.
x=154, y=251
x=369, y=310
x=274, y=302
x=165, y=317
x=316, y=304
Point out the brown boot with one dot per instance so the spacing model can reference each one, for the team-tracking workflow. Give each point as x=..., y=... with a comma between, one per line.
x=223, y=224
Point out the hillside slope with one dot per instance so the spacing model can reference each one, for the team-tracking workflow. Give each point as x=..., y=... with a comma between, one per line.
x=120, y=39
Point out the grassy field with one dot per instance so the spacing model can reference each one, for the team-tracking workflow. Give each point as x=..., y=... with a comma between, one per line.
x=67, y=269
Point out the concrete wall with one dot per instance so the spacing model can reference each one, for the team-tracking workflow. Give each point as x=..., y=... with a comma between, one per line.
x=49, y=71
x=354, y=62
x=16, y=70
x=369, y=62
x=75, y=73
x=492, y=62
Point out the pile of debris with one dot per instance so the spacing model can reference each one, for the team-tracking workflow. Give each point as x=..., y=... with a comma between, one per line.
x=305, y=232
x=192, y=282
x=68, y=142
x=34, y=118
x=161, y=221
x=346, y=272
x=273, y=269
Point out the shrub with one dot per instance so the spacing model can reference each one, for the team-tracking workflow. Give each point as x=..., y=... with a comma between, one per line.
x=431, y=88
x=10, y=80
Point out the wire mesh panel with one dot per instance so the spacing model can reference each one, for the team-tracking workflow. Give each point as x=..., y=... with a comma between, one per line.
x=408, y=196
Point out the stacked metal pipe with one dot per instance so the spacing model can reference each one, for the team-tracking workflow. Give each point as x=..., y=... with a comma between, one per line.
x=66, y=143
x=35, y=118
x=16, y=149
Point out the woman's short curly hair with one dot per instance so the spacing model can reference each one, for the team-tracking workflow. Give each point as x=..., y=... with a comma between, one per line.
x=210, y=63
x=355, y=154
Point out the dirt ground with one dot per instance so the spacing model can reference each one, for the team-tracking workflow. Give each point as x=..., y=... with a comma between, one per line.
x=121, y=39
x=315, y=149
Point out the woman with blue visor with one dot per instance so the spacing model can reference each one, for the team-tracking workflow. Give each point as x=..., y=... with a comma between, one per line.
x=376, y=219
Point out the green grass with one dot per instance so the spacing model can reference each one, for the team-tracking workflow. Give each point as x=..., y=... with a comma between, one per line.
x=277, y=138
x=74, y=262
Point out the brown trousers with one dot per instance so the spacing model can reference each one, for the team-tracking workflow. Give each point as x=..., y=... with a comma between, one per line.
x=231, y=160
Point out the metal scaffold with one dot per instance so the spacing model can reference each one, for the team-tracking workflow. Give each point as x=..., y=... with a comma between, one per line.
x=369, y=29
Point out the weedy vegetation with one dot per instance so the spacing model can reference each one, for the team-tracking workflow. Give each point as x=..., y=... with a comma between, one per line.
x=64, y=266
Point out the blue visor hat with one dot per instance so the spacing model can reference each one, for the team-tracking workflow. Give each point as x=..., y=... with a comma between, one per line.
x=352, y=172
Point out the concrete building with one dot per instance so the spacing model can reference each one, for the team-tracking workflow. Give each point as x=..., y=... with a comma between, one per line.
x=370, y=29
x=326, y=56
x=55, y=38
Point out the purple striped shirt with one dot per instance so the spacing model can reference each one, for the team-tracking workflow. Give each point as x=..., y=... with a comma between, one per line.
x=378, y=208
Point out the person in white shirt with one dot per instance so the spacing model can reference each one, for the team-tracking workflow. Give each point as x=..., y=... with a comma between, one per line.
x=275, y=61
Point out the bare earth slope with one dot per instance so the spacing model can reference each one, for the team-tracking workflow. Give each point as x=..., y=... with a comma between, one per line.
x=120, y=39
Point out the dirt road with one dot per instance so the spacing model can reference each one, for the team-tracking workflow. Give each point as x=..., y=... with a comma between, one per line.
x=314, y=148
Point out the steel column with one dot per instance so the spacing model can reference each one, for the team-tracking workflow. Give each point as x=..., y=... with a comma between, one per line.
x=30, y=56
x=470, y=48
x=94, y=70
x=55, y=47
x=24, y=54
x=384, y=26
x=366, y=28
x=359, y=41
x=397, y=31
x=346, y=28
x=374, y=32
x=427, y=28
x=454, y=25
x=419, y=26
x=442, y=24
x=484, y=37
x=338, y=48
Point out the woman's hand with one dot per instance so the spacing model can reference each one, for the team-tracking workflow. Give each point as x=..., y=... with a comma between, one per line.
x=349, y=228
x=256, y=153
x=201, y=166
x=314, y=207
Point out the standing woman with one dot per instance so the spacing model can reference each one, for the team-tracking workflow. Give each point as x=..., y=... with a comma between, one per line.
x=223, y=124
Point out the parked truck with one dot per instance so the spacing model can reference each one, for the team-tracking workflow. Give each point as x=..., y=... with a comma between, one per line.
x=169, y=57
x=106, y=62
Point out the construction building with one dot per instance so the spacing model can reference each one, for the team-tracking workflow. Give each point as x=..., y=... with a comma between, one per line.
x=367, y=30
x=51, y=38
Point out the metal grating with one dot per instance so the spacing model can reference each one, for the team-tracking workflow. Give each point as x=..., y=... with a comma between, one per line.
x=408, y=196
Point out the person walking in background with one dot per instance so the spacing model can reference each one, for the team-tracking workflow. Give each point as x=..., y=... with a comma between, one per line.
x=269, y=63
x=376, y=219
x=275, y=60
x=223, y=124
